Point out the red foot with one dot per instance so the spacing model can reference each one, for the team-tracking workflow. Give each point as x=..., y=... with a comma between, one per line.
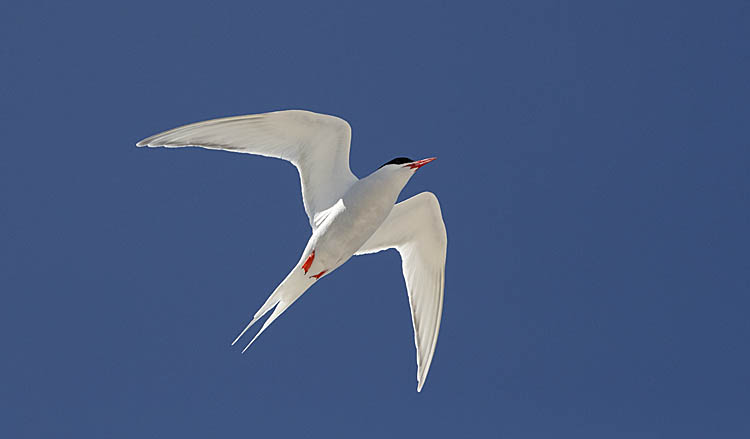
x=317, y=276
x=308, y=262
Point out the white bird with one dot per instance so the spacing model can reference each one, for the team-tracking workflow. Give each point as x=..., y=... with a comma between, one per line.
x=348, y=216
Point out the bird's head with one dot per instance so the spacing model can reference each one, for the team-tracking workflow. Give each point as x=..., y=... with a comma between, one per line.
x=405, y=165
x=399, y=171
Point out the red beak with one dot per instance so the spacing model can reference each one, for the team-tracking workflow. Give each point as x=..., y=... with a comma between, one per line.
x=419, y=163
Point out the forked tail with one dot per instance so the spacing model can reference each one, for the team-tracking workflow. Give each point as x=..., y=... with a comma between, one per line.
x=288, y=291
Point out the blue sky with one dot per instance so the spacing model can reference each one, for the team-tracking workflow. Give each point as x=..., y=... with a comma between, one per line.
x=593, y=176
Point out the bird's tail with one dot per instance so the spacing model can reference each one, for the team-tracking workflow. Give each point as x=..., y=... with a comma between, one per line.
x=288, y=291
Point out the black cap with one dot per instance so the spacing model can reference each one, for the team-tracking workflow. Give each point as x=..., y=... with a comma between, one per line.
x=398, y=161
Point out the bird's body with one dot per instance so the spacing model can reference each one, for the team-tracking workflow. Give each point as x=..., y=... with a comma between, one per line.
x=354, y=218
x=348, y=216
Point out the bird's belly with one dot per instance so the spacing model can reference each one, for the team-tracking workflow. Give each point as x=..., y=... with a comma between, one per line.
x=346, y=231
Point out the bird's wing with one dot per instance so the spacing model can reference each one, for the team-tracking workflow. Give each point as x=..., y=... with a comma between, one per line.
x=415, y=228
x=317, y=144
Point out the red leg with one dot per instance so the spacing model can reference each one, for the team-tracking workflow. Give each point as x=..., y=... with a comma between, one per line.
x=317, y=276
x=308, y=262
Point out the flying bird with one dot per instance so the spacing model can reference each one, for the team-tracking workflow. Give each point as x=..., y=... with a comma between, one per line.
x=348, y=216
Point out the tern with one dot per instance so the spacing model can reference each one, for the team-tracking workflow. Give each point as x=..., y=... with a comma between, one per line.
x=348, y=216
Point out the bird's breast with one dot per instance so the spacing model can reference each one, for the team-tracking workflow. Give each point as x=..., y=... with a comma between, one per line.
x=351, y=222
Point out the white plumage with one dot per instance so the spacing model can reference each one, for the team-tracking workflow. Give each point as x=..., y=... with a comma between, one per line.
x=348, y=216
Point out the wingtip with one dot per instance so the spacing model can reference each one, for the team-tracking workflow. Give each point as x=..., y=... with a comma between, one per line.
x=148, y=141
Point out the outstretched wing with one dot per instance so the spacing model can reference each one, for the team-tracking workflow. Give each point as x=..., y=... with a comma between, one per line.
x=415, y=228
x=317, y=144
